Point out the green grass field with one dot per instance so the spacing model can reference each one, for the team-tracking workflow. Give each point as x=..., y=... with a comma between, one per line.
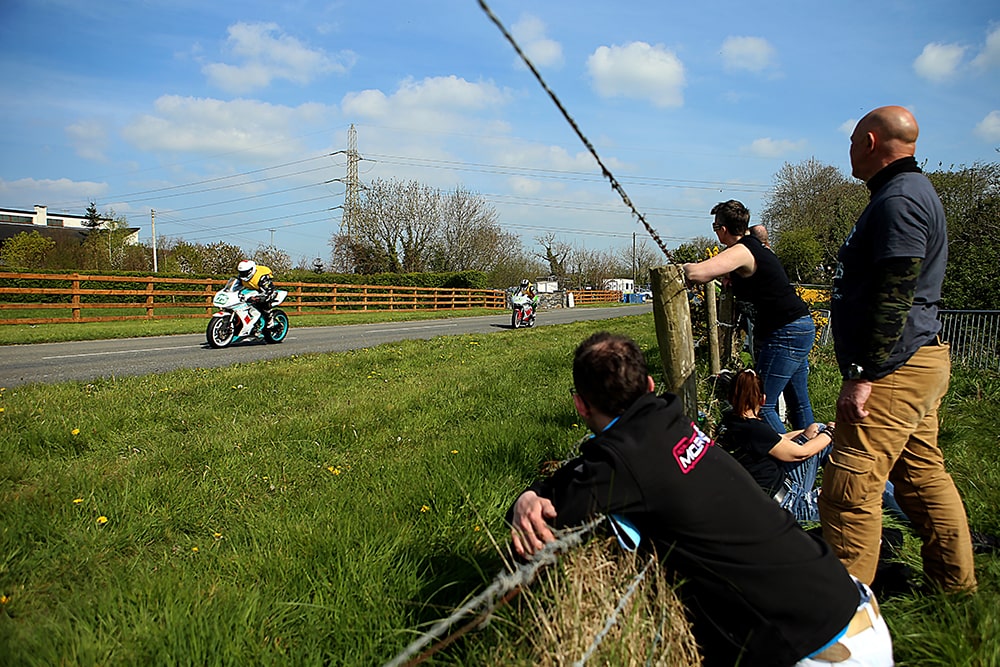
x=321, y=510
x=14, y=334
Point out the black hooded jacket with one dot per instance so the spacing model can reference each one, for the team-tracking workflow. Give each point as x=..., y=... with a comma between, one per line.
x=754, y=582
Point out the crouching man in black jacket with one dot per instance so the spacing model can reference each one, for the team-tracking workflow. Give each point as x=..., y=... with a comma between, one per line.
x=759, y=590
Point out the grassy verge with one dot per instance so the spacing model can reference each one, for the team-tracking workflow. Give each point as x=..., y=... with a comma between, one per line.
x=14, y=334
x=321, y=509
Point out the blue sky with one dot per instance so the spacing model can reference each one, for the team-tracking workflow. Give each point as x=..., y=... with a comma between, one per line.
x=230, y=119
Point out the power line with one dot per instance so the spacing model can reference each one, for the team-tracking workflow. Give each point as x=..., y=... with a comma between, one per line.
x=560, y=174
x=267, y=221
x=256, y=196
x=230, y=181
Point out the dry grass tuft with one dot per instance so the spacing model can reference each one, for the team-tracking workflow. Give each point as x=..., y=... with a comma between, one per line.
x=569, y=605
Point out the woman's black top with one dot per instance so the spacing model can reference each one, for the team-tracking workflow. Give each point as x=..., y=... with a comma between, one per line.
x=772, y=300
x=749, y=440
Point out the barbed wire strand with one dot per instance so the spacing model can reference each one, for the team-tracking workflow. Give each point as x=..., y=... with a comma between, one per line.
x=503, y=584
x=615, y=185
x=478, y=621
x=613, y=618
x=658, y=638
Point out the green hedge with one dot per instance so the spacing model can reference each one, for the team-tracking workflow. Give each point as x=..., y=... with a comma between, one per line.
x=460, y=280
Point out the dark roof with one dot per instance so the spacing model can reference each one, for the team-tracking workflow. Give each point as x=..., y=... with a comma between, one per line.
x=9, y=229
x=68, y=234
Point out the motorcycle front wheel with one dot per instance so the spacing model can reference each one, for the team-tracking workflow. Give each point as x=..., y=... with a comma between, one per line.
x=220, y=331
x=515, y=319
x=277, y=331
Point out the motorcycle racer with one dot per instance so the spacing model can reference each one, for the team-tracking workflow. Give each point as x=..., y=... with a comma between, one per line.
x=258, y=277
x=525, y=303
x=527, y=290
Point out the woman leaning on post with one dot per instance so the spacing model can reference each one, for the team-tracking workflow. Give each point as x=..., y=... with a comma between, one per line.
x=783, y=330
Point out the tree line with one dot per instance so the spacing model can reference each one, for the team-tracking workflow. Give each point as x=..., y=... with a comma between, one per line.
x=409, y=227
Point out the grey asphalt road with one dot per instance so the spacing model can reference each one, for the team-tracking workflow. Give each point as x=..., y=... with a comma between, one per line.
x=88, y=360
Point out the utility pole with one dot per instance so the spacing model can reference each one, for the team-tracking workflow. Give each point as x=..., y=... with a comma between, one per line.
x=633, y=260
x=272, y=237
x=353, y=186
x=152, y=225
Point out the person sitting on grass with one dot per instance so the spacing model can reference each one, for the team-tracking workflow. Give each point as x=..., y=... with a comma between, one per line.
x=758, y=588
x=784, y=465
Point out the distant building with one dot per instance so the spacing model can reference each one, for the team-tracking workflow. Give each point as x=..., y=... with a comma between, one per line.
x=546, y=286
x=623, y=285
x=61, y=226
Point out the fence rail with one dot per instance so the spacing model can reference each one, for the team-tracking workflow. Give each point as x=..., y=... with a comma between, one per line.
x=596, y=296
x=974, y=336
x=89, y=298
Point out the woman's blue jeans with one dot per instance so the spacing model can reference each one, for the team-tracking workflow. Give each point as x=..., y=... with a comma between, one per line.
x=782, y=361
x=803, y=496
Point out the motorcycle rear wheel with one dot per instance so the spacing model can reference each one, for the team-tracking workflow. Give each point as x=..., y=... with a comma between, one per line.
x=220, y=331
x=277, y=331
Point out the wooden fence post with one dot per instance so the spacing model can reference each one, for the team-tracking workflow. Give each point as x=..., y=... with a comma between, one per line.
x=727, y=322
x=209, y=295
x=672, y=317
x=75, y=299
x=713, y=328
x=150, y=286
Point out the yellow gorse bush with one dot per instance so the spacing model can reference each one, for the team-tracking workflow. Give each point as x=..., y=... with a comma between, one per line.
x=813, y=296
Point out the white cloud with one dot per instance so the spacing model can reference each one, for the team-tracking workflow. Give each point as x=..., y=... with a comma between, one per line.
x=847, y=127
x=771, y=148
x=26, y=192
x=939, y=62
x=542, y=156
x=367, y=104
x=542, y=51
x=638, y=71
x=436, y=118
x=89, y=139
x=265, y=54
x=551, y=157
x=521, y=185
x=989, y=57
x=989, y=127
x=753, y=54
x=205, y=125
x=436, y=103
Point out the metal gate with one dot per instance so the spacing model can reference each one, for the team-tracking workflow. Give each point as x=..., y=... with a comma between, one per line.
x=974, y=336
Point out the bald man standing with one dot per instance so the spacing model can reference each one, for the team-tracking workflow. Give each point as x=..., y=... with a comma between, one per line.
x=895, y=368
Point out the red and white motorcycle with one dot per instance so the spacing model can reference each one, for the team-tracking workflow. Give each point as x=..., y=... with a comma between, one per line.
x=238, y=320
x=524, y=311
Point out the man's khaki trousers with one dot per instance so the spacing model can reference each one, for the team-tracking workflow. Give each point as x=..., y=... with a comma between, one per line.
x=898, y=441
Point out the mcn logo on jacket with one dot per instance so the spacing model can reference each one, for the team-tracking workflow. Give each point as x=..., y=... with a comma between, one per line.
x=689, y=451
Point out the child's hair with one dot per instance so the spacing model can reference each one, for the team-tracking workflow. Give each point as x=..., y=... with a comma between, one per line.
x=748, y=392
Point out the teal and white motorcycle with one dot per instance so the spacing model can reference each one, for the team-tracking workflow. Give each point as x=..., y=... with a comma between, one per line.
x=238, y=320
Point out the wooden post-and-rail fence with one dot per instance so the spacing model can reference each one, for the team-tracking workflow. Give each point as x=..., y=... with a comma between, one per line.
x=42, y=298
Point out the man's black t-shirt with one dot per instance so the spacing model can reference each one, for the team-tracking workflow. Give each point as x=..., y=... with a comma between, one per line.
x=755, y=583
x=905, y=218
